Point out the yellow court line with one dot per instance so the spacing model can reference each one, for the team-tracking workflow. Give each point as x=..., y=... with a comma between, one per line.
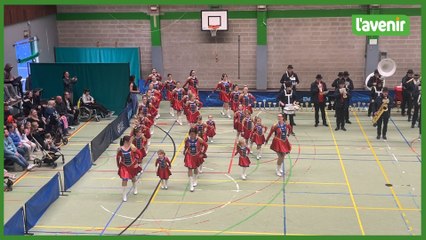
x=165, y=230
x=181, y=145
x=237, y=180
x=346, y=176
x=281, y=205
x=385, y=176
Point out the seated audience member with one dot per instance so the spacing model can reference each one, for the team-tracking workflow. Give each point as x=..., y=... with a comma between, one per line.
x=17, y=141
x=90, y=102
x=61, y=108
x=70, y=107
x=11, y=153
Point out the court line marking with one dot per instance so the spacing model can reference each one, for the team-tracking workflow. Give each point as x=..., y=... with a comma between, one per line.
x=281, y=205
x=385, y=176
x=90, y=228
x=342, y=165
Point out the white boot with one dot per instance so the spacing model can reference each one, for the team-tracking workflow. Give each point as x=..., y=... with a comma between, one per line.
x=200, y=168
x=243, y=175
x=281, y=168
x=124, y=194
x=195, y=180
x=191, y=184
x=222, y=113
x=162, y=184
x=172, y=112
x=227, y=112
x=165, y=184
x=279, y=174
x=135, y=188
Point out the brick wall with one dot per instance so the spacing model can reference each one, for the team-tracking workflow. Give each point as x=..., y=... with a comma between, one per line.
x=125, y=32
x=312, y=46
x=323, y=45
x=186, y=47
x=405, y=51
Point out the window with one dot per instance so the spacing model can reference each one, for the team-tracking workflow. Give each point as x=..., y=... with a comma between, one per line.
x=26, y=52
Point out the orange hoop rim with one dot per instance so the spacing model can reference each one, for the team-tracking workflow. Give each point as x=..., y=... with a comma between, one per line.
x=213, y=27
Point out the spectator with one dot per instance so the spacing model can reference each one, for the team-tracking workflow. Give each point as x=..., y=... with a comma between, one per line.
x=11, y=153
x=28, y=103
x=89, y=102
x=53, y=118
x=69, y=84
x=34, y=117
x=23, y=133
x=16, y=138
x=61, y=108
x=11, y=82
x=70, y=107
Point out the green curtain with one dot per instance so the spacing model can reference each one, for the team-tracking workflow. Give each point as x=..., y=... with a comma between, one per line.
x=108, y=82
x=100, y=55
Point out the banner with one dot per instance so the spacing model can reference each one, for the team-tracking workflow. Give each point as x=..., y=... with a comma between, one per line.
x=119, y=125
x=40, y=201
x=100, y=143
x=15, y=225
x=77, y=167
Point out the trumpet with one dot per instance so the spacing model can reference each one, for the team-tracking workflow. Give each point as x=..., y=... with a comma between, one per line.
x=383, y=108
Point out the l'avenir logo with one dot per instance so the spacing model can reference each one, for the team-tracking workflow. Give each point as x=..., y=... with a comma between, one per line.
x=380, y=25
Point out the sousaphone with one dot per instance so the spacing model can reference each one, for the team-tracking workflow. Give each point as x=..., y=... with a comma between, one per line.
x=386, y=68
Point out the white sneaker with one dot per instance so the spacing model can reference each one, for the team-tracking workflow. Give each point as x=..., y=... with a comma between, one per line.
x=243, y=176
x=279, y=174
x=211, y=140
x=125, y=198
x=229, y=116
x=31, y=166
x=152, y=132
x=222, y=113
x=191, y=188
x=258, y=157
x=195, y=183
x=165, y=187
x=158, y=116
x=135, y=192
x=162, y=187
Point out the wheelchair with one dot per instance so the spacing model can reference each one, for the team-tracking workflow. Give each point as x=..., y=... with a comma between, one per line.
x=86, y=113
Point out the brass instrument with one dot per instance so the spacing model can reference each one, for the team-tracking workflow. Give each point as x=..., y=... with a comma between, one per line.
x=383, y=108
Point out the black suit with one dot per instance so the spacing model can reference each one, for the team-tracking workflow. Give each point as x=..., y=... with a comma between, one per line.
x=287, y=82
x=407, y=95
x=319, y=103
x=341, y=104
x=284, y=99
x=384, y=119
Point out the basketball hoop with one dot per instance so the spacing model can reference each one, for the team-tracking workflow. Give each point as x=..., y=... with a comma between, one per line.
x=213, y=30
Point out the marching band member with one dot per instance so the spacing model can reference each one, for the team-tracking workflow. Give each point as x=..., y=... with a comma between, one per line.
x=211, y=128
x=341, y=103
x=248, y=126
x=319, y=92
x=375, y=92
x=194, y=152
x=170, y=85
x=349, y=85
x=225, y=87
x=243, y=161
x=384, y=98
x=288, y=101
x=280, y=143
x=192, y=82
x=289, y=79
x=247, y=99
x=201, y=128
x=235, y=98
x=416, y=101
x=140, y=142
x=178, y=98
x=153, y=74
x=163, y=171
x=373, y=82
x=193, y=108
x=127, y=164
x=258, y=136
x=408, y=88
x=335, y=84
x=238, y=120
